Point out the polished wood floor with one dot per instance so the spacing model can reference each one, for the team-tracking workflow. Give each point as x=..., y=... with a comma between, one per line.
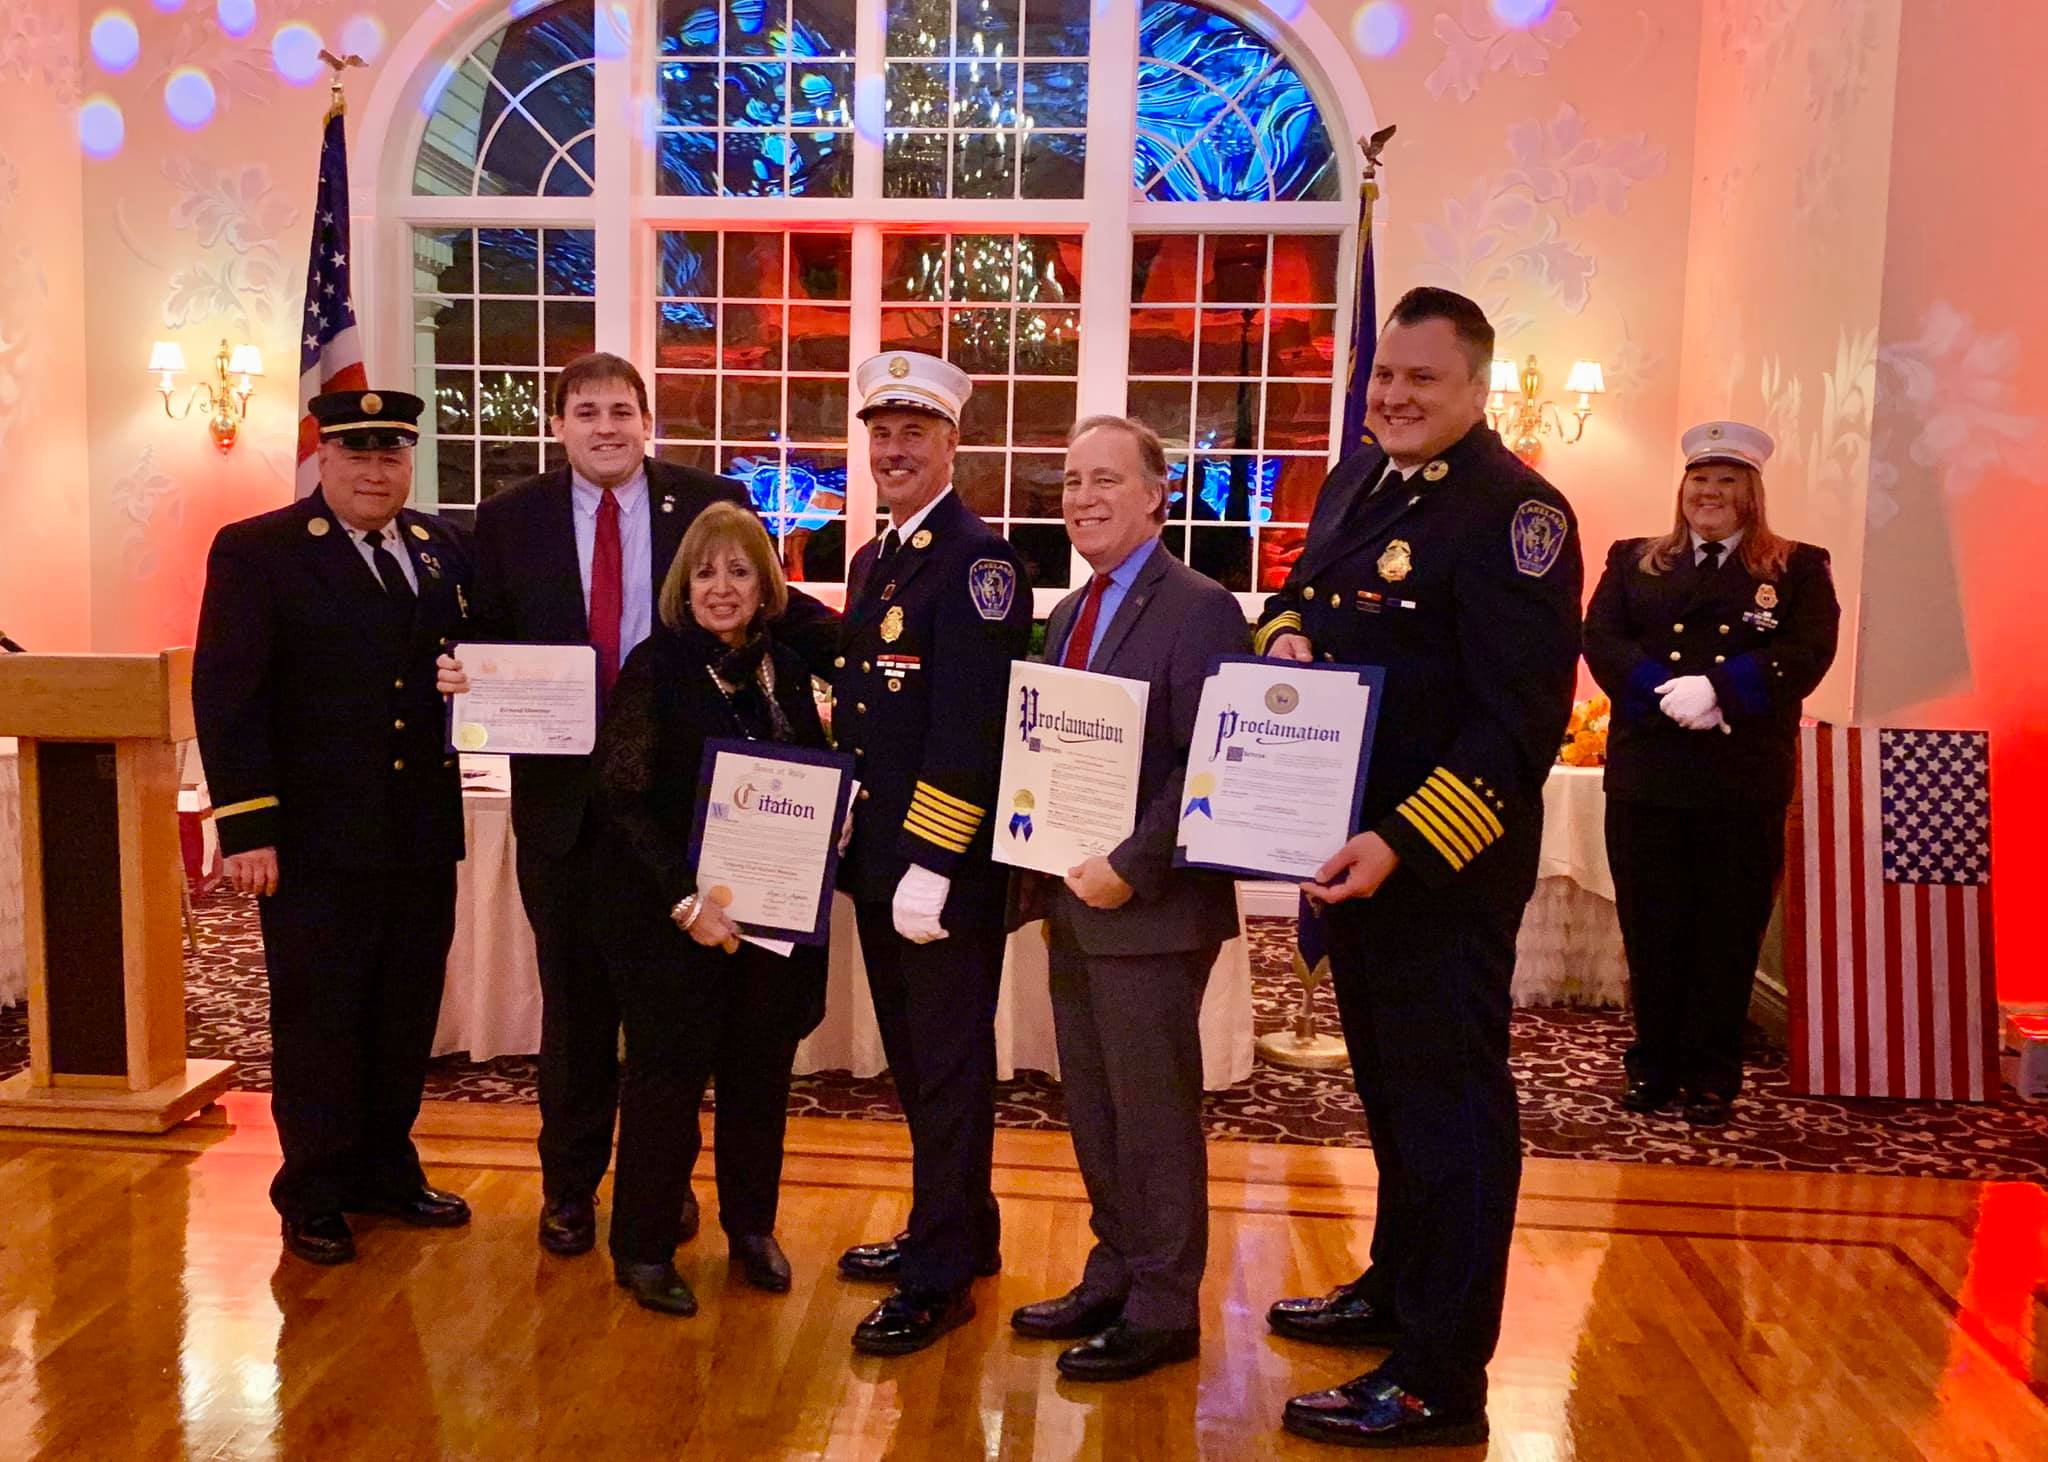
x=1653, y=1313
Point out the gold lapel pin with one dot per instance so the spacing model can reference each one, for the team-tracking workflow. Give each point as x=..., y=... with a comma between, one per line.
x=1436, y=471
x=317, y=527
x=922, y=538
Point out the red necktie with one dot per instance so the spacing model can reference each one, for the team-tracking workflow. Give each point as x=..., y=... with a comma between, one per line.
x=606, y=594
x=1082, y=637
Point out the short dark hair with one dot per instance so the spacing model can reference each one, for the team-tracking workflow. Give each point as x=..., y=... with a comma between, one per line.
x=1467, y=320
x=589, y=370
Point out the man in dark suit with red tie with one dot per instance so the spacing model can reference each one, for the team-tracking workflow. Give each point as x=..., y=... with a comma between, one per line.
x=577, y=556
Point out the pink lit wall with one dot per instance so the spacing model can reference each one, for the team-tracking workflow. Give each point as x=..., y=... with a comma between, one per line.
x=45, y=503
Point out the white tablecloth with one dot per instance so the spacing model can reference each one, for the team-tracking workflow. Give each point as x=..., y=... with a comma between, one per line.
x=1569, y=949
x=13, y=948
x=492, y=1003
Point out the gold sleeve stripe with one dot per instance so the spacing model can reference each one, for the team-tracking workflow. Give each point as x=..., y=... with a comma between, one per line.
x=935, y=814
x=1281, y=624
x=1406, y=809
x=1471, y=799
x=931, y=833
x=1455, y=816
x=254, y=804
x=1430, y=803
x=947, y=799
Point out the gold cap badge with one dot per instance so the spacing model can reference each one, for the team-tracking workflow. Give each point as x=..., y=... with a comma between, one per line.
x=1398, y=561
x=892, y=624
x=899, y=367
x=419, y=533
x=372, y=403
x=922, y=538
x=1436, y=471
x=318, y=527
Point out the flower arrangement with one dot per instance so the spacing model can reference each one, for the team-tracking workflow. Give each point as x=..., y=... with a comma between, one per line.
x=1585, y=735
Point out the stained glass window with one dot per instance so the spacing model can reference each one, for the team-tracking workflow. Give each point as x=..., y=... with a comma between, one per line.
x=1005, y=308
x=756, y=98
x=751, y=377
x=496, y=313
x=1222, y=117
x=516, y=117
x=986, y=98
x=1233, y=353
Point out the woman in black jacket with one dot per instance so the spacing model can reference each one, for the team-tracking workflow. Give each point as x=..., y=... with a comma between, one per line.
x=1706, y=640
x=695, y=1001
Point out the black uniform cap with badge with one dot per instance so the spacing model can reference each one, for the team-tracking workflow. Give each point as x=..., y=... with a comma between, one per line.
x=368, y=421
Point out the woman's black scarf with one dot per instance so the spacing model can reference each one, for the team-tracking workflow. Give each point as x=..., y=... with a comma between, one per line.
x=741, y=671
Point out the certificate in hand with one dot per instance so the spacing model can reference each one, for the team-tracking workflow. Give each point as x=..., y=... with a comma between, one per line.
x=767, y=834
x=529, y=700
x=1069, y=788
x=1277, y=767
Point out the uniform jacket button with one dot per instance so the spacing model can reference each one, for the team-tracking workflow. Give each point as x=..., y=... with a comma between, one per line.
x=1724, y=629
x=1674, y=656
x=1335, y=600
x=447, y=761
x=398, y=723
x=1329, y=655
x=1720, y=659
x=838, y=662
x=1678, y=629
x=398, y=684
x=860, y=707
x=1308, y=593
x=398, y=764
x=866, y=668
x=863, y=794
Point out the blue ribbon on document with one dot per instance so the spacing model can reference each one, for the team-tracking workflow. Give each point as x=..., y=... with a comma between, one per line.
x=1020, y=826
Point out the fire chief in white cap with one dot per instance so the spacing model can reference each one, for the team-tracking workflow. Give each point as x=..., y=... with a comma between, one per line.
x=1707, y=639
x=936, y=610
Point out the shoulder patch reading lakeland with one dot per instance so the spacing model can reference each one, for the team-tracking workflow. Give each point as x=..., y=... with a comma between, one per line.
x=1537, y=536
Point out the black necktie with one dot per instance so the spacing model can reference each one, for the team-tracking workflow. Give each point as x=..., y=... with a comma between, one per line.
x=402, y=596
x=884, y=561
x=1710, y=556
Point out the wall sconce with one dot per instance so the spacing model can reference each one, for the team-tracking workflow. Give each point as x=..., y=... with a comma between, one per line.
x=1516, y=410
x=227, y=406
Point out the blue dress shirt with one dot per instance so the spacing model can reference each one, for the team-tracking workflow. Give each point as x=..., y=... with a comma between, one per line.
x=1120, y=580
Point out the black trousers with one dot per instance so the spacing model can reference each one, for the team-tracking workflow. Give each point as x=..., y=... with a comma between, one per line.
x=1130, y=1040
x=356, y=962
x=936, y=1007
x=1693, y=888
x=692, y=1016
x=579, y=1020
x=1423, y=993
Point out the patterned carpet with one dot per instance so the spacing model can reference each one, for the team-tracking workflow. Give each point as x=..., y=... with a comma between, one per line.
x=1567, y=1063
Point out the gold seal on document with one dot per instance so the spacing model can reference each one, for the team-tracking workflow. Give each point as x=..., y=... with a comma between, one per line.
x=1282, y=698
x=1397, y=562
x=892, y=624
x=470, y=736
x=318, y=527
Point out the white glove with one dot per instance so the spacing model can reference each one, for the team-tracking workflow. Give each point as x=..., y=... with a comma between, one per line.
x=1690, y=701
x=920, y=900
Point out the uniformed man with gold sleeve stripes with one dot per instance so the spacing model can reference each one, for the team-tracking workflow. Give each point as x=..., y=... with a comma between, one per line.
x=340, y=808
x=1438, y=555
x=936, y=610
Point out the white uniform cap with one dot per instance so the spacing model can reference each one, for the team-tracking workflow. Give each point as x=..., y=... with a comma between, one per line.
x=905, y=380
x=1727, y=441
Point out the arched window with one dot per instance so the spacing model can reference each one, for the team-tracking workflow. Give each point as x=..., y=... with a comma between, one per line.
x=745, y=197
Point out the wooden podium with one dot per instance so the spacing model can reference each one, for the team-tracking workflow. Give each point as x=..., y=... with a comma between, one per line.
x=101, y=871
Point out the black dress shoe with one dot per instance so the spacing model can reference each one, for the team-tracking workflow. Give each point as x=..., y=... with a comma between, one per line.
x=568, y=1226
x=1124, y=1351
x=1641, y=1094
x=1370, y=1412
x=656, y=1287
x=909, y=1320
x=424, y=1207
x=1344, y=1317
x=882, y=1263
x=692, y=1216
x=1077, y=1313
x=761, y=1261
x=322, y=1239
x=1707, y=1108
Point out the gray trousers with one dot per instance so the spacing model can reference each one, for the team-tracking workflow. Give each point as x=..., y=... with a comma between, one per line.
x=1129, y=1033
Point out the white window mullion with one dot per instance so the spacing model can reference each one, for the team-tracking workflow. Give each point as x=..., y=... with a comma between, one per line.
x=864, y=339
x=869, y=42
x=619, y=286
x=1106, y=247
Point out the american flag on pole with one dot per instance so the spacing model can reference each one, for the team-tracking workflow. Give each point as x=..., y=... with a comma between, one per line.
x=1888, y=949
x=330, y=352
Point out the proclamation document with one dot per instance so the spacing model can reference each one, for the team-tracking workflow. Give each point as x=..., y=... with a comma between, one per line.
x=528, y=700
x=1277, y=767
x=766, y=845
x=1069, y=788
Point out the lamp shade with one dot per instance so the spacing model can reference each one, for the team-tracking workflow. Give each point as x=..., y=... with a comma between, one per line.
x=248, y=361
x=1586, y=378
x=1505, y=376
x=167, y=355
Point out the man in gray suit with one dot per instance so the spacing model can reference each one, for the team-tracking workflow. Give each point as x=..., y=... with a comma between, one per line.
x=1132, y=937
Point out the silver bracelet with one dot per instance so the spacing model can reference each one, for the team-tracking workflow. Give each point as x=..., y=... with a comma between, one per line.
x=686, y=911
